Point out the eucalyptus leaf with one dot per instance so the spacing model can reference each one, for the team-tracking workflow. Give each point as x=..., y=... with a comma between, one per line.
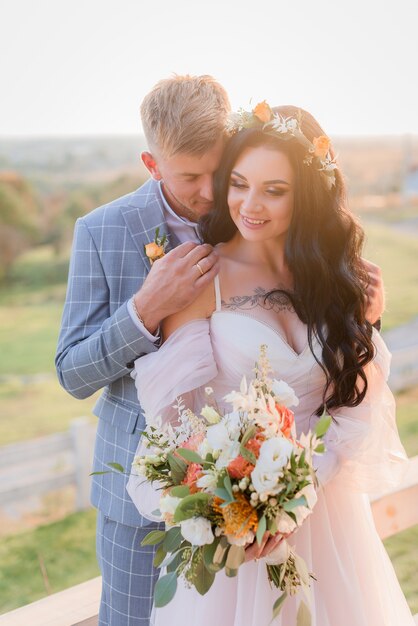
x=159, y=556
x=165, y=589
x=180, y=491
x=220, y=554
x=262, y=525
x=322, y=425
x=191, y=506
x=178, y=467
x=235, y=558
x=249, y=434
x=231, y=573
x=248, y=455
x=277, y=606
x=292, y=504
x=172, y=539
x=302, y=569
x=208, y=554
x=228, y=487
x=304, y=615
x=203, y=578
x=190, y=455
x=154, y=537
x=116, y=466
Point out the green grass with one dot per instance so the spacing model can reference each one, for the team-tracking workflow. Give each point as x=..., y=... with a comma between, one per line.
x=65, y=548
x=397, y=255
x=403, y=552
x=34, y=409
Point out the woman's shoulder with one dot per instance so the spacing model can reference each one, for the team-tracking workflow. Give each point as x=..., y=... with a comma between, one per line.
x=201, y=308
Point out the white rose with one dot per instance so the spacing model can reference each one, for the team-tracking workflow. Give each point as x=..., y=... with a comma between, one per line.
x=168, y=504
x=278, y=555
x=210, y=414
x=265, y=482
x=227, y=455
x=284, y=394
x=302, y=512
x=284, y=523
x=208, y=482
x=275, y=453
x=197, y=530
x=218, y=436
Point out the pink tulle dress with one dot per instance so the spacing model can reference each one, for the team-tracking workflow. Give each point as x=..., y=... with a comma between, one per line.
x=356, y=584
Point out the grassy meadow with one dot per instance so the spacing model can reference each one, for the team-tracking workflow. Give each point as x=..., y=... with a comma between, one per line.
x=32, y=404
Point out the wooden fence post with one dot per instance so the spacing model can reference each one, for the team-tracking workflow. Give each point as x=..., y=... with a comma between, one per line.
x=80, y=431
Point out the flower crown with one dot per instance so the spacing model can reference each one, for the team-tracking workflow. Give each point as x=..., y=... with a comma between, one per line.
x=271, y=123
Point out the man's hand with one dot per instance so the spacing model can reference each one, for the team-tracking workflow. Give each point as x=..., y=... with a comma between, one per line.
x=175, y=281
x=375, y=292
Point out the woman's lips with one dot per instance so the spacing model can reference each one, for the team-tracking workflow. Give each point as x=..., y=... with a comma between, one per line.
x=253, y=222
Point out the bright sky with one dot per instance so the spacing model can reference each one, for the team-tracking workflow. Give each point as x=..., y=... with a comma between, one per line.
x=83, y=66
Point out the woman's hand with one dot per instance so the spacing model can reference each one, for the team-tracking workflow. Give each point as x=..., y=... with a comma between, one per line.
x=268, y=544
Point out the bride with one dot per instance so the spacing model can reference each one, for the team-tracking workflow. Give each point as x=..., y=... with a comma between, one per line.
x=290, y=277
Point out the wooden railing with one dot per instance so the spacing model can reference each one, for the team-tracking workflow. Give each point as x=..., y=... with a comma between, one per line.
x=393, y=512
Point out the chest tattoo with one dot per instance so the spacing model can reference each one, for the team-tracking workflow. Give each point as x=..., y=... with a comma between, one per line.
x=276, y=302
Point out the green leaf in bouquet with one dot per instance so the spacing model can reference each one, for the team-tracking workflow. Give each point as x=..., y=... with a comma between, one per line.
x=178, y=467
x=261, y=529
x=172, y=539
x=302, y=569
x=303, y=617
x=157, y=234
x=235, y=558
x=180, y=491
x=154, y=537
x=228, y=487
x=116, y=466
x=202, y=578
x=322, y=425
x=292, y=504
x=165, y=589
x=175, y=562
x=223, y=494
x=277, y=606
x=191, y=506
x=219, y=557
x=190, y=455
x=159, y=556
x=248, y=455
x=208, y=555
x=320, y=448
x=302, y=459
x=249, y=434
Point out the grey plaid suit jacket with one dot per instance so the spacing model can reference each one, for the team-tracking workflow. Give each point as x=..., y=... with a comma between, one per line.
x=99, y=341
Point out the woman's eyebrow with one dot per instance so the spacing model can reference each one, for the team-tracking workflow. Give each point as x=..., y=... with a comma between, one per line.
x=277, y=181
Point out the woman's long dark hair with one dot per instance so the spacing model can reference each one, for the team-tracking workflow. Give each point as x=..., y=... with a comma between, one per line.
x=322, y=250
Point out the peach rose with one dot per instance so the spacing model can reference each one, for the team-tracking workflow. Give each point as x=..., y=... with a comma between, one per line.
x=287, y=418
x=194, y=472
x=263, y=112
x=154, y=251
x=321, y=145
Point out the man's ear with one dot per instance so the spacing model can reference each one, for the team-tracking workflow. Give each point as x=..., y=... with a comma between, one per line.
x=151, y=165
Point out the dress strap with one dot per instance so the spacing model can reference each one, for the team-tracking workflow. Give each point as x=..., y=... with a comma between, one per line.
x=218, y=299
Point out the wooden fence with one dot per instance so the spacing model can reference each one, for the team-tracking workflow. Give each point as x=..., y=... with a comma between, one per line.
x=35, y=467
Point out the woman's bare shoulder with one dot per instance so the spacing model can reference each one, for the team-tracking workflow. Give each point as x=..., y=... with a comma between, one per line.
x=201, y=308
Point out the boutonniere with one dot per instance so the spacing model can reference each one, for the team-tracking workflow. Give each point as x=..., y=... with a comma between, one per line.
x=156, y=249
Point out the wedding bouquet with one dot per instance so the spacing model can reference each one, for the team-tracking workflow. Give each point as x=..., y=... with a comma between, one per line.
x=228, y=479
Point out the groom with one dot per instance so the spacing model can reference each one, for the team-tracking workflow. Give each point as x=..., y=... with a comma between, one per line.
x=115, y=303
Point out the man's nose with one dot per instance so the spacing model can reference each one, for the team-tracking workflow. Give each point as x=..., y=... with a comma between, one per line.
x=206, y=190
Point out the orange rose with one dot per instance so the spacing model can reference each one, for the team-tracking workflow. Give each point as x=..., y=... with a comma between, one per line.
x=239, y=467
x=321, y=145
x=263, y=112
x=194, y=472
x=287, y=418
x=254, y=445
x=154, y=251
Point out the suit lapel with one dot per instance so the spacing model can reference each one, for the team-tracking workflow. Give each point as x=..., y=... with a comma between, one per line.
x=143, y=215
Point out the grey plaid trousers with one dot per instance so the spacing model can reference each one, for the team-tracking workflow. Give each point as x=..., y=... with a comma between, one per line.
x=97, y=345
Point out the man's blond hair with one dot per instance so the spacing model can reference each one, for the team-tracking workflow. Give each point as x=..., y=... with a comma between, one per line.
x=184, y=114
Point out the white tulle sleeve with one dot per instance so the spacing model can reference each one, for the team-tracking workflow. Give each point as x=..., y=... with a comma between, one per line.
x=182, y=367
x=363, y=445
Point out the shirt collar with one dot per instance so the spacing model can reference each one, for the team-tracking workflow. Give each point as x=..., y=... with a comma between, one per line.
x=168, y=208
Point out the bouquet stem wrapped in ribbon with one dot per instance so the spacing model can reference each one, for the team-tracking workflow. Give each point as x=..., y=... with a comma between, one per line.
x=226, y=481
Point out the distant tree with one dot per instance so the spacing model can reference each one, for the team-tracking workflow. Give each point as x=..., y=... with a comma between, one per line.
x=19, y=214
